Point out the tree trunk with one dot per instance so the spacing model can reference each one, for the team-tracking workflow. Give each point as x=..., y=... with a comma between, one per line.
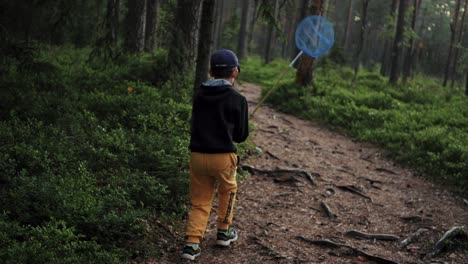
x=220, y=20
x=136, y=20
x=302, y=12
x=348, y=24
x=152, y=9
x=408, y=64
x=458, y=48
x=357, y=59
x=270, y=35
x=291, y=41
x=204, y=46
x=305, y=67
x=242, y=45
x=183, y=42
x=252, y=22
x=420, y=44
x=112, y=21
x=386, y=56
x=466, y=84
x=452, y=43
x=398, y=43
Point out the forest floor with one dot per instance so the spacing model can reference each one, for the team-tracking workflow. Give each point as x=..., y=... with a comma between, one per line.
x=276, y=213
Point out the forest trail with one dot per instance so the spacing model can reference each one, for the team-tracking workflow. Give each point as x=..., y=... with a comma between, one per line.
x=273, y=210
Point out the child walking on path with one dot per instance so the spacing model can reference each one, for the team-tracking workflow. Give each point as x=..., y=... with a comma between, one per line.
x=219, y=118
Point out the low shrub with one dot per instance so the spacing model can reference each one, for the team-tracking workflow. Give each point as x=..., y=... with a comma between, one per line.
x=88, y=153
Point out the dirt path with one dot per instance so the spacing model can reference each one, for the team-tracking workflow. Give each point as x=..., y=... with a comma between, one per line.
x=273, y=210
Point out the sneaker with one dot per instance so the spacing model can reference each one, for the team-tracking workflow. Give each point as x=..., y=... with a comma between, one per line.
x=191, y=251
x=225, y=237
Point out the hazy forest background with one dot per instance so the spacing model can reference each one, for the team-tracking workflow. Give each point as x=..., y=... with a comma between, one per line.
x=95, y=103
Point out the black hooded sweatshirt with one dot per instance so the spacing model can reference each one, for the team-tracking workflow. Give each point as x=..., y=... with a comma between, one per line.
x=219, y=118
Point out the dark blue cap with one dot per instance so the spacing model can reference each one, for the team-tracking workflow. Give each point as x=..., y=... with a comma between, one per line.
x=224, y=59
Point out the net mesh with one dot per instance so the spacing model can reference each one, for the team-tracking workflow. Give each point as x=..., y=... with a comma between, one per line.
x=315, y=36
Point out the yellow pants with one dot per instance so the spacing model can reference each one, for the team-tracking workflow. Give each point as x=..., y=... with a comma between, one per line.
x=205, y=170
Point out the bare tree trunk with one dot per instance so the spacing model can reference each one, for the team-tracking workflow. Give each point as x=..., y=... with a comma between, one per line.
x=112, y=21
x=348, y=24
x=305, y=67
x=204, y=46
x=152, y=9
x=357, y=60
x=302, y=12
x=219, y=7
x=398, y=43
x=386, y=56
x=408, y=64
x=452, y=43
x=420, y=44
x=253, y=22
x=290, y=30
x=135, y=22
x=270, y=36
x=242, y=45
x=458, y=48
x=184, y=35
x=466, y=84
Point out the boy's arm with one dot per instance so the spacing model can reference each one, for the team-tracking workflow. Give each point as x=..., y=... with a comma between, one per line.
x=241, y=131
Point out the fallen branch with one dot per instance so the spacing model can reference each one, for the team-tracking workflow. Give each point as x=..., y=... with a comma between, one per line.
x=465, y=201
x=327, y=209
x=446, y=238
x=358, y=252
x=411, y=238
x=353, y=189
x=253, y=170
x=358, y=234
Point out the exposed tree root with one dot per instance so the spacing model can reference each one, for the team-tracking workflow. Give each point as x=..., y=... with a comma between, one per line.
x=358, y=252
x=307, y=175
x=272, y=155
x=327, y=209
x=386, y=170
x=285, y=194
x=454, y=232
x=353, y=189
x=371, y=181
x=412, y=218
x=358, y=234
x=268, y=249
x=412, y=237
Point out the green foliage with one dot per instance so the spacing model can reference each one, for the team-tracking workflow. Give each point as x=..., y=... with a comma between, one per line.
x=52, y=242
x=88, y=152
x=420, y=124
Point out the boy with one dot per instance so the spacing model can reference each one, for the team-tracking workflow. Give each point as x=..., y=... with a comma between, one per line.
x=219, y=118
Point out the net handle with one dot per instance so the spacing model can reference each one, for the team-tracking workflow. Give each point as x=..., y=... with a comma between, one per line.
x=271, y=90
x=296, y=58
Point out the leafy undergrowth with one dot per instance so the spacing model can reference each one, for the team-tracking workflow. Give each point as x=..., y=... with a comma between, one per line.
x=420, y=123
x=91, y=153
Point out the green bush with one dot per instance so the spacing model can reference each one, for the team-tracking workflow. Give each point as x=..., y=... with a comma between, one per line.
x=52, y=242
x=89, y=151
